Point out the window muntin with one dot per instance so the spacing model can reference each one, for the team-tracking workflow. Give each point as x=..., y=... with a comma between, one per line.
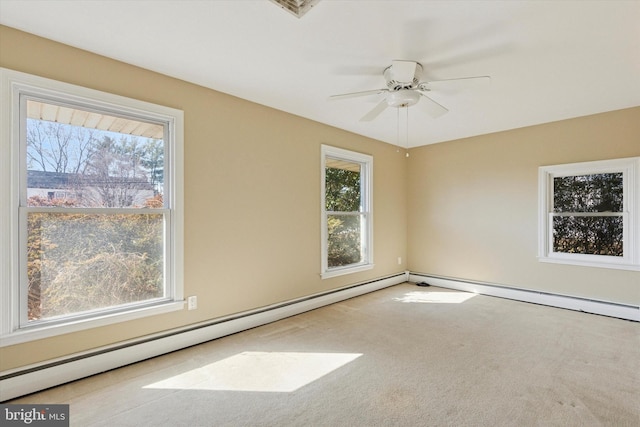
x=346, y=179
x=95, y=232
x=589, y=213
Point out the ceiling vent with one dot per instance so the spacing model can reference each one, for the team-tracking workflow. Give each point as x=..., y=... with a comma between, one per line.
x=297, y=7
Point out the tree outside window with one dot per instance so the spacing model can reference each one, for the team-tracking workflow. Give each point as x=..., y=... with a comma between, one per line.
x=346, y=211
x=343, y=221
x=588, y=214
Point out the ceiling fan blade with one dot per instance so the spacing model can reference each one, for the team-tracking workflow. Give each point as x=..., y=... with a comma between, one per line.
x=432, y=107
x=375, y=112
x=459, y=83
x=403, y=71
x=357, y=94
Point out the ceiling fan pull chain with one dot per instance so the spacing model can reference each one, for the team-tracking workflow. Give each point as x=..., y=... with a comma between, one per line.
x=407, y=135
x=398, y=130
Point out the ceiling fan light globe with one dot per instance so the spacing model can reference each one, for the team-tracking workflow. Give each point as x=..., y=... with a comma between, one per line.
x=403, y=98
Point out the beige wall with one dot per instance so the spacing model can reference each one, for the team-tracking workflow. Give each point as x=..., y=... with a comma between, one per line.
x=473, y=205
x=252, y=195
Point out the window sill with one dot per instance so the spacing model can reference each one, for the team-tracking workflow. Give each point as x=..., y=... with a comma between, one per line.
x=594, y=264
x=345, y=270
x=46, y=331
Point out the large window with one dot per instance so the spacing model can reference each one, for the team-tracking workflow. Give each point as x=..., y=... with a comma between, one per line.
x=95, y=219
x=346, y=211
x=589, y=213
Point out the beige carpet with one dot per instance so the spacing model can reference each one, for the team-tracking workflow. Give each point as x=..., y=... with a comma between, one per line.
x=403, y=356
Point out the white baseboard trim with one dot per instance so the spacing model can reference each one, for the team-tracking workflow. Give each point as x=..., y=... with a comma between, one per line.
x=605, y=308
x=33, y=378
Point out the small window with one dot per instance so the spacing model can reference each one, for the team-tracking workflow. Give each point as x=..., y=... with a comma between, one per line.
x=98, y=220
x=346, y=212
x=589, y=213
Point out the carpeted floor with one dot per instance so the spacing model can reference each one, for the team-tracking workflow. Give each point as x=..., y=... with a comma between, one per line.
x=402, y=356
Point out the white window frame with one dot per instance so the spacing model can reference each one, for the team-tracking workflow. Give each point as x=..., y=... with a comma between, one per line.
x=13, y=84
x=366, y=194
x=630, y=169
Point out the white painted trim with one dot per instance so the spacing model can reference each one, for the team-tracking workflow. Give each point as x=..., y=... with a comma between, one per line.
x=8, y=197
x=605, y=308
x=74, y=325
x=340, y=271
x=29, y=379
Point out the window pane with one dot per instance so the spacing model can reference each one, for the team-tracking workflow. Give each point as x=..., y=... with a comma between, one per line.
x=87, y=159
x=79, y=262
x=345, y=240
x=588, y=235
x=588, y=193
x=342, y=186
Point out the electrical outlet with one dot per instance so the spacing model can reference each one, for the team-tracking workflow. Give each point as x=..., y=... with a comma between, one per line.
x=399, y=260
x=192, y=302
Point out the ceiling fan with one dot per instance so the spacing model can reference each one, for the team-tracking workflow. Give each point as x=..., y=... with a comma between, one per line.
x=405, y=89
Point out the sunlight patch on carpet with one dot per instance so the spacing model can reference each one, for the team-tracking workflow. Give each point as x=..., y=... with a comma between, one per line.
x=259, y=371
x=436, y=297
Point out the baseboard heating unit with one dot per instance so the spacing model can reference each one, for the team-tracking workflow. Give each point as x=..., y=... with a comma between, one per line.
x=605, y=308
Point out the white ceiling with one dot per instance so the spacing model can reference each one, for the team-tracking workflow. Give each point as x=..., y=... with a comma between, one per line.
x=548, y=60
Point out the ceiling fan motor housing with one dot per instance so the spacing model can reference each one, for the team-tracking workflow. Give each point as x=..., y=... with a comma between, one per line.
x=394, y=83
